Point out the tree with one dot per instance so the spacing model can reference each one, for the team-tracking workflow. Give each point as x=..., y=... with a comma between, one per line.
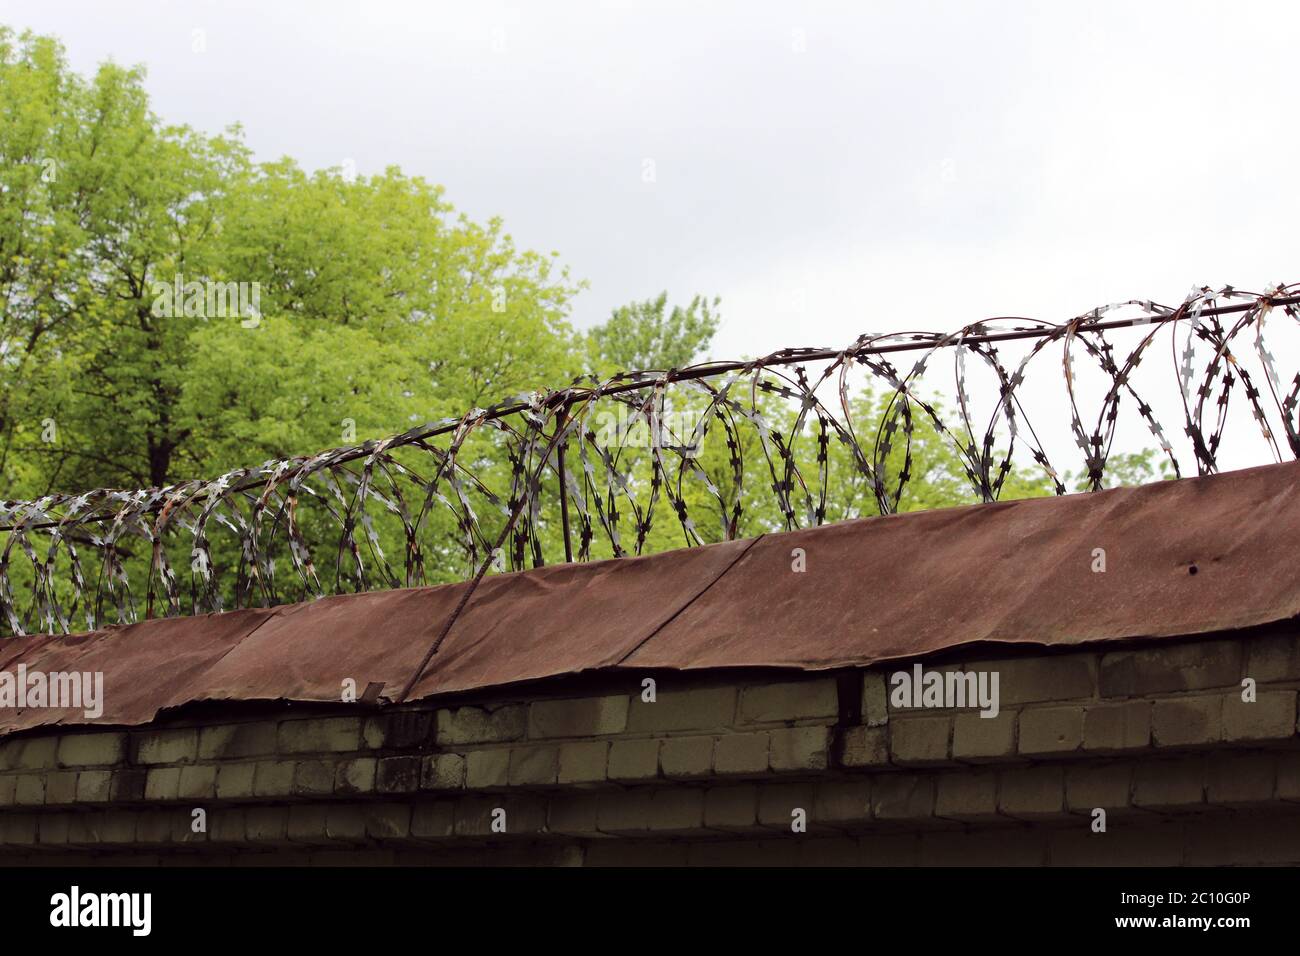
x=438, y=313
x=646, y=335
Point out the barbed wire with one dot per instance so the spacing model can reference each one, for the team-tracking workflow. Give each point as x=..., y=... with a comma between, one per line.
x=585, y=471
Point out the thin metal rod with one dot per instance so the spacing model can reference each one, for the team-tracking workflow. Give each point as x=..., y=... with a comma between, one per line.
x=564, y=493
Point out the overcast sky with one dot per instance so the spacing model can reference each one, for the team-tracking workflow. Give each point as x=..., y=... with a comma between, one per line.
x=826, y=169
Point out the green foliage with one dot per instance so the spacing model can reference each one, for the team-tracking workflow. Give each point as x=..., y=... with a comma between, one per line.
x=376, y=302
x=646, y=335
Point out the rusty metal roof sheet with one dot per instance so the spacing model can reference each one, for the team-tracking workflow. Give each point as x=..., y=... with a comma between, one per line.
x=1182, y=558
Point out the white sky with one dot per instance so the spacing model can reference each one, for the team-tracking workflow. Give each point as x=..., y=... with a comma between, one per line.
x=827, y=169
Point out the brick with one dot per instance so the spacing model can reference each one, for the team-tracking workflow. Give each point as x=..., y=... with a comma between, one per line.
x=1116, y=727
x=1288, y=775
x=1274, y=658
x=91, y=750
x=777, y=803
x=319, y=735
x=266, y=824
x=707, y=709
x=686, y=757
x=387, y=821
x=966, y=795
x=907, y=694
x=1187, y=721
x=799, y=748
x=84, y=829
x=676, y=810
x=875, y=699
x=443, y=772
x=356, y=776
x=533, y=766
x=487, y=768
x=433, y=820
x=841, y=803
x=623, y=811
x=93, y=786
x=478, y=725
x=865, y=747
x=233, y=741
x=1135, y=847
x=273, y=778
x=634, y=760
x=117, y=826
x=1090, y=786
x=1050, y=731
x=29, y=753
x=1171, y=667
x=1271, y=716
x=901, y=796
x=789, y=700
x=1051, y=677
x=307, y=823
x=1241, y=779
x=1169, y=784
x=228, y=826
x=740, y=753
x=919, y=740
x=167, y=746
x=197, y=782
x=728, y=808
x=475, y=816
x=127, y=785
x=60, y=788
x=525, y=814
x=52, y=829
x=977, y=739
x=156, y=826
x=345, y=823
x=1031, y=793
x=17, y=829
x=235, y=780
x=374, y=730
x=573, y=814
x=162, y=783
x=400, y=730
x=8, y=784
x=583, y=762
x=581, y=717
x=1241, y=839
x=313, y=778
x=398, y=774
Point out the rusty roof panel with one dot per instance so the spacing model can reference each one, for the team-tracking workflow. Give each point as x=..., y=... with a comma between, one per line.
x=147, y=667
x=570, y=617
x=873, y=590
x=1181, y=557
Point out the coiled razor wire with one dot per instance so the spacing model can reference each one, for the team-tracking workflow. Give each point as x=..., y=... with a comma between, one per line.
x=541, y=474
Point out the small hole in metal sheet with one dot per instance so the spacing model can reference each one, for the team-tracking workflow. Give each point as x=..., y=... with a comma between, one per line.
x=1192, y=570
